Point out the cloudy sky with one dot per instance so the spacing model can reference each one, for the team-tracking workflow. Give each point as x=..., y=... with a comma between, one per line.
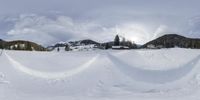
x=50, y=21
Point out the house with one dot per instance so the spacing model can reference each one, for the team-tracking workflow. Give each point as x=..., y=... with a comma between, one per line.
x=120, y=47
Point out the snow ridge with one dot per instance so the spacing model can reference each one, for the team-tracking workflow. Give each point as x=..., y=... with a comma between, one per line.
x=155, y=76
x=49, y=75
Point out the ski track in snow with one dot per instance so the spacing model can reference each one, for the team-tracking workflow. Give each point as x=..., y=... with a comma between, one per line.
x=50, y=75
x=154, y=76
x=136, y=73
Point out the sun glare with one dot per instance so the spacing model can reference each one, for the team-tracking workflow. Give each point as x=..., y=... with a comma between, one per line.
x=134, y=32
x=135, y=39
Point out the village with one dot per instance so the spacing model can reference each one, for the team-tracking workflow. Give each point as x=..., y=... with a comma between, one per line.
x=119, y=43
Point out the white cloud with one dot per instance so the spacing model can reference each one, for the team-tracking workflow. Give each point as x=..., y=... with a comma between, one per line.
x=160, y=31
x=46, y=30
x=55, y=20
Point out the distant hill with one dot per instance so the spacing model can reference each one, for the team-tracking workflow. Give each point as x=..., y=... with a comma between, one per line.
x=59, y=44
x=21, y=45
x=173, y=40
x=80, y=44
x=84, y=42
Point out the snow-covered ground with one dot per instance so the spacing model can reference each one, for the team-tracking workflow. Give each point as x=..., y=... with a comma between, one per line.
x=166, y=74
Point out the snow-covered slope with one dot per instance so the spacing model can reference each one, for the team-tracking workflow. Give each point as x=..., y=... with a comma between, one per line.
x=167, y=74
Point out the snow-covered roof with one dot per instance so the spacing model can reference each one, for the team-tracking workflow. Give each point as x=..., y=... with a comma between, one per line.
x=120, y=47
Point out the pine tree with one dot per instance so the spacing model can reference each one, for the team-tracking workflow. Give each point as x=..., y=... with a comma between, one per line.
x=29, y=46
x=123, y=42
x=67, y=48
x=13, y=48
x=17, y=46
x=107, y=46
x=116, y=41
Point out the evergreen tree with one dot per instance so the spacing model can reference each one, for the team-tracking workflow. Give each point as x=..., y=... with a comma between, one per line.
x=123, y=41
x=116, y=41
x=13, y=48
x=17, y=47
x=134, y=45
x=67, y=48
x=58, y=49
x=107, y=46
x=29, y=46
x=1, y=46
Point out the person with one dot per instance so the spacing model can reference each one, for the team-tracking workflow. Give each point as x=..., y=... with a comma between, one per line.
x=58, y=49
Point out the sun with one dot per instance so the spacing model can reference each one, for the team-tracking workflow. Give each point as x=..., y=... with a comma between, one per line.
x=135, y=33
x=135, y=39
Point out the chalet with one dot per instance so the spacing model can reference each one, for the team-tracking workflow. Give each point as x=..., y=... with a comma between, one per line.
x=120, y=47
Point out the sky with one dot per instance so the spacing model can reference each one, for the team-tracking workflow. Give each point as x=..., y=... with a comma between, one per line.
x=49, y=21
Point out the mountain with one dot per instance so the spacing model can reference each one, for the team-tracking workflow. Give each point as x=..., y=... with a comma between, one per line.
x=59, y=44
x=84, y=42
x=21, y=45
x=173, y=40
x=75, y=45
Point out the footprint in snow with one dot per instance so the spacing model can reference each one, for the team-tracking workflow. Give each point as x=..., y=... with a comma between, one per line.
x=2, y=79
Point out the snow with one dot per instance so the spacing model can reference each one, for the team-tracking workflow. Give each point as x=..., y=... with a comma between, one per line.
x=120, y=47
x=2, y=80
x=49, y=75
x=165, y=74
x=90, y=47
